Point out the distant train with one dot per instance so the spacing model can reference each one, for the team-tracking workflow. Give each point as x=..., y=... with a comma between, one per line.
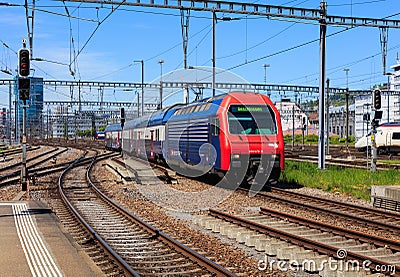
x=236, y=135
x=99, y=135
x=387, y=139
x=113, y=137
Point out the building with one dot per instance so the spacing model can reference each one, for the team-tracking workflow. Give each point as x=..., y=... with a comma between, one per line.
x=64, y=122
x=291, y=116
x=3, y=124
x=34, y=109
x=337, y=120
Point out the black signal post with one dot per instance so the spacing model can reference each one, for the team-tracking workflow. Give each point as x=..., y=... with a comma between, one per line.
x=377, y=104
x=24, y=86
x=122, y=117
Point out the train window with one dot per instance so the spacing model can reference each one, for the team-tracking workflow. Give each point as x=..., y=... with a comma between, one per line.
x=251, y=120
x=197, y=109
x=396, y=136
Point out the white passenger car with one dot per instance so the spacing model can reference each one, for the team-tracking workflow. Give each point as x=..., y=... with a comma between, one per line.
x=387, y=139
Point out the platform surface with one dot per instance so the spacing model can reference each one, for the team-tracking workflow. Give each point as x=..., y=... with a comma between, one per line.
x=33, y=243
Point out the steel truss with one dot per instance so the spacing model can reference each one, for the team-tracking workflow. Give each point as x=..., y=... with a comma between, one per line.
x=181, y=85
x=252, y=9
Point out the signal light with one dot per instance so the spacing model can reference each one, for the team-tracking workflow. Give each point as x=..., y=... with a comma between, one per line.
x=24, y=85
x=122, y=117
x=377, y=99
x=24, y=62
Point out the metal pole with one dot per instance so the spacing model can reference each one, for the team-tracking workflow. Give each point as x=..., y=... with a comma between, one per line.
x=161, y=88
x=373, y=146
x=48, y=111
x=347, y=119
x=292, y=127
x=327, y=116
x=265, y=76
x=75, y=115
x=9, y=115
x=367, y=141
x=24, y=172
x=138, y=105
x=388, y=104
x=214, y=21
x=142, y=87
x=16, y=127
x=321, y=132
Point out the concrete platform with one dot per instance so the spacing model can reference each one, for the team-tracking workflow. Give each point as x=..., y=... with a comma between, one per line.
x=386, y=197
x=33, y=243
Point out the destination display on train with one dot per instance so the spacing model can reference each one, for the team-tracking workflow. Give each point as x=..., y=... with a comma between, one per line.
x=248, y=108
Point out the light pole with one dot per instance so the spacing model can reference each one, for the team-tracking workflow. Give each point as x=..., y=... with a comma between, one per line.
x=347, y=107
x=161, y=88
x=214, y=22
x=265, y=76
x=142, y=62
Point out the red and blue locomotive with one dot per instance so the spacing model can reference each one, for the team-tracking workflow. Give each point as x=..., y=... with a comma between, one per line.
x=238, y=135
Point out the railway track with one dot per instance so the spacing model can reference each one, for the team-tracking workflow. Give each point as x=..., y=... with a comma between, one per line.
x=10, y=152
x=136, y=246
x=376, y=218
x=46, y=170
x=285, y=237
x=12, y=170
x=340, y=157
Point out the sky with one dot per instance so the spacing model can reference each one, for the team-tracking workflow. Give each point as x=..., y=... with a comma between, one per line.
x=104, y=43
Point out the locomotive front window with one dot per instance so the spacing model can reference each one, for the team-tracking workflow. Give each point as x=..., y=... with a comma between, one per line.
x=251, y=120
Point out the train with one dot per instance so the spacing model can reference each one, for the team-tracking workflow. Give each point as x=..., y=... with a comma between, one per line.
x=113, y=137
x=99, y=135
x=237, y=136
x=387, y=139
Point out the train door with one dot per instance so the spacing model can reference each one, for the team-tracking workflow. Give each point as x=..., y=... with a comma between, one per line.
x=388, y=142
x=138, y=143
x=152, y=144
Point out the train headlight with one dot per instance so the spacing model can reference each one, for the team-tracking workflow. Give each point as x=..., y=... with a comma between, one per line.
x=236, y=156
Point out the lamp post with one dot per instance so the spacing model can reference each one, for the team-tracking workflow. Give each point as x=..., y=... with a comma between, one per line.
x=142, y=62
x=347, y=107
x=161, y=88
x=214, y=22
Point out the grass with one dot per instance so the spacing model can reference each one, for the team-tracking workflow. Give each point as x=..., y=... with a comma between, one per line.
x=313, y=139
x=355, y=182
